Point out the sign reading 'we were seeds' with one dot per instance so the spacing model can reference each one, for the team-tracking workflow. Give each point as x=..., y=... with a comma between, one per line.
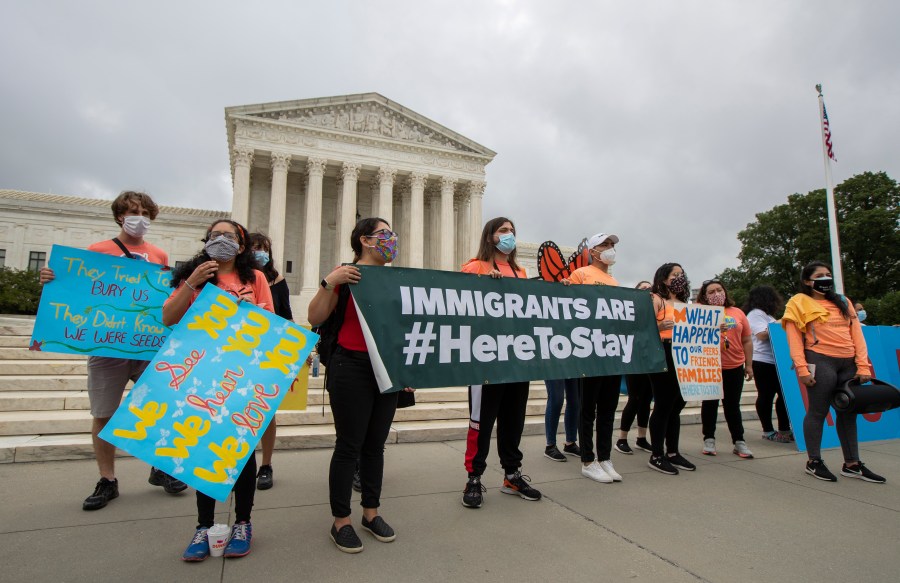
x=205, y=400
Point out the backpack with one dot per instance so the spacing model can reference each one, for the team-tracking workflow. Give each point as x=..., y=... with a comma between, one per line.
x=328, y=330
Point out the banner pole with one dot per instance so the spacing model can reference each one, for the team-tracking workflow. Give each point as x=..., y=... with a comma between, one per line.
x=836, y=270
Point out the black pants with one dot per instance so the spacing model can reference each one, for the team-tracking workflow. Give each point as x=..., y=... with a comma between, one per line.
x=831, y=373
x=362, y=421
x=732, y=387
x=767, y=389
x=665, y=420
x=599, y=398
x=244, y=491
x=640, y=393
x=505, y=403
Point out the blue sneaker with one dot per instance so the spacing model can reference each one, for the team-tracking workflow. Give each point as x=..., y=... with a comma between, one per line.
x=199, y=547
x=239, y=545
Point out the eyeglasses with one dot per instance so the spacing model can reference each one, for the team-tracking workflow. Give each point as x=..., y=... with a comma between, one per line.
x=384, y=235
x=709, y=281
x=216, y=234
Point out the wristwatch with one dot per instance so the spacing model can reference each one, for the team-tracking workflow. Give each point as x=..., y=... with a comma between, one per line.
x=326, y=285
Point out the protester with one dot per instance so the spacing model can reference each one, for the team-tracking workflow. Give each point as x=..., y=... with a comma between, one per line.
x=736, y=349
x=261, y=246
x=860, y=313
x=762, y=307
x=505, y=403
x=640, y=393
x=599, y=395
x=828, y=349
x=227, y=262
x=108, y=377
x=670, y=285
x=559, y=390
x=362, y=414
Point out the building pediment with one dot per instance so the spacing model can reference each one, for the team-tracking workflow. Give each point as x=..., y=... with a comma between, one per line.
x=370, y=115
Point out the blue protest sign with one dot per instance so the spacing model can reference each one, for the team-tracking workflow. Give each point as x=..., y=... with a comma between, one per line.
x=206, y=398
x=101, y=305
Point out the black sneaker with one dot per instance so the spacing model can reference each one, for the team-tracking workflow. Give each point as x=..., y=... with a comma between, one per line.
x=643, y=444
x=472, y=497
x=623, y=447
x=679, y=462
x=379, y=529
x=168, y=483
x=346, y=539
x=572, y=449
x=552, y=452
x=518, y=484
x=264, y=478
x=103, y=493
x=357, y=483
x=860, y=471
x=661, y=464
x=816, y=468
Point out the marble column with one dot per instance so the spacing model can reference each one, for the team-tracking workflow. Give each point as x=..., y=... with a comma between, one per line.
x=281, y=163
x=240, y=202
x=312, y=241
x=433, y=235
x=386, y=176
x=339, y=194
x=415, y=239
x=447, y=228
x=347, y=210
x=401, y=221
x=463, y=230
x=476, y=224
x=373, y=196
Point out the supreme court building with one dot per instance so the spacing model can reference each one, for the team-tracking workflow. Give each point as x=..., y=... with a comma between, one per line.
x=305, y=171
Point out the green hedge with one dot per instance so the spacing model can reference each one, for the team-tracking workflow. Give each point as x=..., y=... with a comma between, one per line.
x=20, y=292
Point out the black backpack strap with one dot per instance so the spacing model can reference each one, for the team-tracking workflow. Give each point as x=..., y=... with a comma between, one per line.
x=123, y=248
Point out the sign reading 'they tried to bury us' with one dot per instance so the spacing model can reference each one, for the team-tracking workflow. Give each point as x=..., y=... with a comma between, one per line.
x=206, y=398
x=102, y=305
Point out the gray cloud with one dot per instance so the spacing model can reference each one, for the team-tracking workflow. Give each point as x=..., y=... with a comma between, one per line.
x=668, y=123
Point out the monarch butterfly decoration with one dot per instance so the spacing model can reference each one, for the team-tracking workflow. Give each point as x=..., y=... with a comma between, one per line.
x=552, y=266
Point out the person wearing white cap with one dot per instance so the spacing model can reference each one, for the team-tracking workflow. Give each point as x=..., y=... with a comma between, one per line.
x=599, y=395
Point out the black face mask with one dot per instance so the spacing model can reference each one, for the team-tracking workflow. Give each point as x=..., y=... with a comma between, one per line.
x=823, y=285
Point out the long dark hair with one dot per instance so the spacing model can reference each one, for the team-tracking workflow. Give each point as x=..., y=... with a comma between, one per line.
x=486, y=246
x=765, y=298
x=830, y=295
x=701, y=295
x=363, y=227
x=260, y=240
x=659, y=282
x=244, y=264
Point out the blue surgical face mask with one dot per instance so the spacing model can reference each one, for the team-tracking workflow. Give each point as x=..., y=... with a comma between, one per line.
x=506, y=244
x=861, y=315
x=261, y=257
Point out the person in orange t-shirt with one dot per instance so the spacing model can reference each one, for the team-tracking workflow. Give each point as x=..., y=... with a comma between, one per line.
x=227, y=262
x=108, y=377
x=737, y=354
x=599, y=396
x=505, y=403
x=833, y=344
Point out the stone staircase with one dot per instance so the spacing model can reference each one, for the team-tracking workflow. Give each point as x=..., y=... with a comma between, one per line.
x=45, y=414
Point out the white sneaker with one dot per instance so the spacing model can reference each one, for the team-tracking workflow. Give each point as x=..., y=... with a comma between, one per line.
x=607, y=467
x=709, y=446
x=741, y=449
x=595, y=472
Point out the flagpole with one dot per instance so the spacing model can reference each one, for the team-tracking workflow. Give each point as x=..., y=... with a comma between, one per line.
x=836, y=270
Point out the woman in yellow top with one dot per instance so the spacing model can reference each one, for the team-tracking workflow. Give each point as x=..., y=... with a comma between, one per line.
x=828, y=349
x=599, y=395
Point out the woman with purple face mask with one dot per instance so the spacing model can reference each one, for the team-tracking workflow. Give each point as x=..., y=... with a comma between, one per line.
x=670, y=285
x=737, y=354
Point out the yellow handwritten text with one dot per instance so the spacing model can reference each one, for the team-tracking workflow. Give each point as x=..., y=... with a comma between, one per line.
x=285, y=352
x=191, y=431
x=228, y=453
x=78, y=265
x=67, y=314
x=216, y=318
x=247, y=338
x=147, y=417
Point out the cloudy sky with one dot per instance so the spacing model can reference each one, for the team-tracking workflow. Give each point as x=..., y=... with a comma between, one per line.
x=669, y=123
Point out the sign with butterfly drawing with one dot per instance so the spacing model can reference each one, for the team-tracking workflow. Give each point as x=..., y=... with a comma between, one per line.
x=205, y=400
x=552, y=266
x=696, y=340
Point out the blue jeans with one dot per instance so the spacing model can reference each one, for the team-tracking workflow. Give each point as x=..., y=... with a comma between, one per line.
x=556, y=391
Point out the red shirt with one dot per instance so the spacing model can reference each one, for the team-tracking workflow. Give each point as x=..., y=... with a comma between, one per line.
x=350, y=336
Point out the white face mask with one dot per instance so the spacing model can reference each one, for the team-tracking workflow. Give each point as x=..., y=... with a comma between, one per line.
x=136, y=226
x=607, y=256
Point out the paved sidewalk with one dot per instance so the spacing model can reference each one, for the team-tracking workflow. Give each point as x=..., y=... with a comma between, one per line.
x=731, y=521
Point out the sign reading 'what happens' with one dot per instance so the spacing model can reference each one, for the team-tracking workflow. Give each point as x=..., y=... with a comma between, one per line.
x=427, y=328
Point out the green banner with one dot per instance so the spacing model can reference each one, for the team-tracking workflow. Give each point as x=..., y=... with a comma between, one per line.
x=429, y=328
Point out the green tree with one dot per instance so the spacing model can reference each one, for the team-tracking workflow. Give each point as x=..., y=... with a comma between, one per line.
x=776, y=246
x=20, y=292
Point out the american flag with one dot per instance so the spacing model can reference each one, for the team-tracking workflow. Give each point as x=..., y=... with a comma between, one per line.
x=826, y=129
